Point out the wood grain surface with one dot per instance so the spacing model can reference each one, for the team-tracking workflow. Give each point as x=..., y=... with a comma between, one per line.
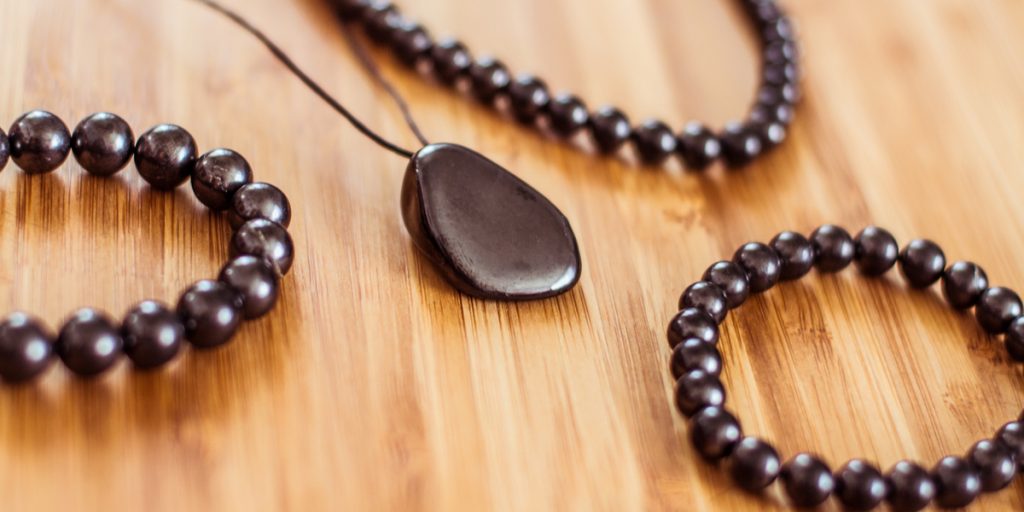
x=374, y=387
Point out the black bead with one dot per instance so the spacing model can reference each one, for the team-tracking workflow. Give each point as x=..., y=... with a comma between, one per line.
x=89, y=343
x=350, y=10
x=26, y=348
x=754, y=464
x=707, y=297
x=796, y=254
x=761, y=265
x=732, y=279
x=259, y=201
x=996, y=308
x=610, y=129
x=911, y=488
x=994, y=462
x=451, y=60
x=5, y=150
x=698, y=146
x=255, y=280
x=922, y=262
x=211, y=312
x=528, y=97
x=411, y=42
x=780, y=52
x=695, y=354
x=381, y=19
x=696, y=390
x=740, y=144
x=39, y=142
x=860, y=486
x=654, y=142
x=780, y=74
x=962, y=284
x=833, y=248
x=771, y=133
x=692, y=323
x=766, y=113
x=807, y=480
x=217, y=175
x=152, y=334
x=568, y=115
x=165, y=155
x=489, y=77
x=265, y=239
x=876, y=251
x=103, y=144
x=714, y=432
x=956, y=482
x=1011, y=437
x=1015, y=339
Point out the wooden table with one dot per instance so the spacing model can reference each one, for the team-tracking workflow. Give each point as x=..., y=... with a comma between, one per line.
x=373, y=386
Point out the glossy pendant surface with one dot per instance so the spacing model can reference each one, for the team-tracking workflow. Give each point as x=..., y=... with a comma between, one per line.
x=489, y=233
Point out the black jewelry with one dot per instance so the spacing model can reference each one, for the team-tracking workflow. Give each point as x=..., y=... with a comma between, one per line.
x=210, y=311
x=753, y=464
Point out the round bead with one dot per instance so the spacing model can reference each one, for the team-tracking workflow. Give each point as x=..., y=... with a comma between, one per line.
x=39, y=142
x=381, y=19
x=771, y=133
x=411, y=42
x=860, y=486
x=654, y=142
x=833, y=248
x=489, y=77
x=754, y=464
x=255, y=280
x=740, y=144
x=350, y=9
x=911, y=488
x=217, y=175
x=265, y=239
x=692, y=323
x=5, y=150
x=1011, y=437
x=698, y=146
x=730, y=278
x=875, y=251
x=695, y=354
x=568, y=115
x=962, y=284
x=696, y=390
x=26, y=348
x=450, y=59
x=707, y=297
x=956, y=482
x=610, y=129
x=994, y=463
x=259, y=201
x=714, y=432
x=211, y=312
x=89, y=343
x=996, y=308
x=528, y=97
x=103, y=144
x=807, y=480
x=796, y=254
x=1015, y=339
x=922, y=262
x=152, y=334
x=761, y=265
x=165, y=155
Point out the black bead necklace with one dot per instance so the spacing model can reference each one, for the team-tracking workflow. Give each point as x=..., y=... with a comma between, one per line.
x=753, y=463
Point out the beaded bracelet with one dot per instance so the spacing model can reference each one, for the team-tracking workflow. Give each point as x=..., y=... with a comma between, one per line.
x=210, y=311
x=754, y=464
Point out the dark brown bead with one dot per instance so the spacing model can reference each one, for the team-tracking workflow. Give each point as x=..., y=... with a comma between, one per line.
x=411, y=42
x=211, y=312
x=761, y=265
x=692, y=323
x=707, y=297
x=103, y=144
x=165, y=155
x=996, y=308
x=833, y=248
x=152, y=334
x=654, y=142
x=781, y=113
x=796, y=254
x=698, y=146
x=568, y=115
x=780, y=52
x=771, y=133
x=962, y=284
x=994, y=462
x=1011, y=436
x=5, y=150
x=807, y=480
x=780, y=74
x=264, y=239
x=26, y=348
x=730, y=278
x=610, y=129
x=381, y=20
x=714, y=432
x=451, y=60
x=89, y=343
x=1015, y=339
x=860, y=486
x=740, y=144
x=217, y=175
x=956, y=482
x=696, y=390
x=528, y=96
x=259, y=201
x=695, y=354
x=489, y=77
x=754, y=464
x=876, y=251
x=350, y=10
x=39, y=142
x=911, y=488
x=922, y=263
x=255, y=280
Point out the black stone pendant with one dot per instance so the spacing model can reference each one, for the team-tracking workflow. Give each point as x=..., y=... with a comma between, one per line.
x=490, y=234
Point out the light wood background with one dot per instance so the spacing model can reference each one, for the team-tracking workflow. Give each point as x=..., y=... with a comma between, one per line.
x=374, y=387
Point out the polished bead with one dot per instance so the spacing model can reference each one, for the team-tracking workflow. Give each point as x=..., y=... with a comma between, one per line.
x=350, y=9
x=165, y=155
x=780, y=52
x=714, y=432
x=696, y=390
x=450, y=59
x=911, y=488
x=707, y=297
x=833, y=248
x=265, y=239
x=610, y=129
x=489, y=77
x=1015, y=339
x=956, y=482
x=780, y=74
x=654, y=142
x=860, y=486
x=796, y=254
x=89, y=343
x=217, y=175
x=730, y=278
x=771, y=133
x=255, y=280
x=777, y=30
x=381, y=19
x=152, y=334
x=1011, y=437
x=26, y=348
x=259, y=201
x=740, y=144
x=761, y=265
x=962, y=284
x=39, y=142
x=103, y=144
x=411, y=42
x=528, y=97
x=211, y=312
x=568, y=115
x=695, y=354
x=807, y=480
x=767, y=113
x=996, y=308
x=875, y=251
x=698, y=146
x=754, y=464
x=994, y=462
x=692, y=323
x=5, y=150
x=921, y=263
